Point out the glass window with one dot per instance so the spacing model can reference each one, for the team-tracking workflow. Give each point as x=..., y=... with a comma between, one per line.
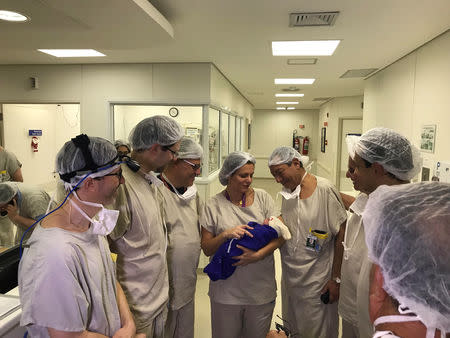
x=224, y=136
x=213, y=139
x=232, y=137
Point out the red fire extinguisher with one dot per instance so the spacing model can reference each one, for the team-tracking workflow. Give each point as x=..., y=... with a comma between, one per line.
x=305, y=146
x=297, y=143
x=34, y=144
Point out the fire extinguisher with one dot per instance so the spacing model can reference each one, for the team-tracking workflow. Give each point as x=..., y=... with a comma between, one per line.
x=297, y=143
x=305, y=146
x=34, y=144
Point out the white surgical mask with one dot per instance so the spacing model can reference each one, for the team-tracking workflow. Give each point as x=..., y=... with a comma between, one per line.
x=188, y=195
x=401, y=319
x=287, y=194
x=103, y=222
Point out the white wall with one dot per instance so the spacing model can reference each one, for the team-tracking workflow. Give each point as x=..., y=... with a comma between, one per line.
x=273, y=128
x=331, y=112
x=413, y=92
x=58, y=123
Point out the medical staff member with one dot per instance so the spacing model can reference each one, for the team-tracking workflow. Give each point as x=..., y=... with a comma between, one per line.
x=407, y=229
x=139, y=238
x=311, y=260
x=181, y=207
x=24, y=205
x=123, y=148
x=380, y=156
x=67, y=278
x=242, y=305
x=10, y=170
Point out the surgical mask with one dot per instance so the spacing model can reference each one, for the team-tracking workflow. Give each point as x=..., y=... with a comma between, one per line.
x=188, y=195
x=287, y=194
x=401, y=319
x=103, y=222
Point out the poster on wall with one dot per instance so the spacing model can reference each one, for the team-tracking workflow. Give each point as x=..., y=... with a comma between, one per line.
x=428, y=138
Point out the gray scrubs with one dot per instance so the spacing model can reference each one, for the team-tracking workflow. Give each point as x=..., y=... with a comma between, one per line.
x=305, y=272
x=247, y=296
x=355, y=254
x=139, y=240
x=183, y=252
x=67, y=282
x=8, y=166
x=32, y=203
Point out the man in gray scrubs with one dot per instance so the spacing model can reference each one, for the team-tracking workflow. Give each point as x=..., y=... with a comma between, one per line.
x=379, y=157
x=311, y=260
x=67, y=278
x=24, y=205
x=139, y=238
x=181, y=206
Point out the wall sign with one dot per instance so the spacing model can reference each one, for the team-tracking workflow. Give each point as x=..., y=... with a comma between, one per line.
x=428, y=138
x=35, y=132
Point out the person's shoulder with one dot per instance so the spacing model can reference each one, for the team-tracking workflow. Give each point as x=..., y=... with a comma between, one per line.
x=52, y=244
x=324, y=183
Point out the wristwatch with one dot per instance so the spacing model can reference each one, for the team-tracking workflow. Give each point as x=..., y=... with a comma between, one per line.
x=337, y=280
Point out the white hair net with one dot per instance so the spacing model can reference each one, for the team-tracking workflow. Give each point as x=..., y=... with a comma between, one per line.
x=7, y=191
x=233, y=162
x=71, y=163
x=122, y=143
x=407, y=231
x=388, y=148
x=189, y=149
x=284, y=155
x=157, y=129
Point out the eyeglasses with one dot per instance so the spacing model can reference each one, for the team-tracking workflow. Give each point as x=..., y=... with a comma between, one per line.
x=118, y=174
x=174, y=153
x=194, y=167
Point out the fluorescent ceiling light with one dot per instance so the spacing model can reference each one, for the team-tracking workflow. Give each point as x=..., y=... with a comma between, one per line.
x=287, y=102
x=290, y=108
x=304, y=48
x=281, y=108
x=294, y=81
x=12, y=16
x=71, y=53
x=289, y=95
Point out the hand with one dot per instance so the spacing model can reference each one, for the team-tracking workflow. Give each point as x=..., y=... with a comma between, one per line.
x=12, y=210
x=266, y=221
x=247, y=257
x=127, y=331
x=333, y=287
x=238, y=232
x=276, y=334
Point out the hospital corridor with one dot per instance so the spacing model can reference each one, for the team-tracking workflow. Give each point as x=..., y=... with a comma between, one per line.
x=224, y=169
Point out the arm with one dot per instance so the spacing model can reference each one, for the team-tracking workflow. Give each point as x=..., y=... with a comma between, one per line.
x=331, y=285
x=18, y=220
x=128, y=328
x=250, y=256
x=17, y=176
x=210, y=243
x=347, y=199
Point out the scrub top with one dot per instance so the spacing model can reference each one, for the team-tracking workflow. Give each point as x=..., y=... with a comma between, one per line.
x=67, y=282
x=253, y=284
x=32, y=203
x=183, y=251
x=8, y=165
x=355, y=253
x=305, y=272
x=139, y=239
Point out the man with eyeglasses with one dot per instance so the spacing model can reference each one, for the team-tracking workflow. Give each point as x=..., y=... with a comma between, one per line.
x=139, y=239
x=180, y=209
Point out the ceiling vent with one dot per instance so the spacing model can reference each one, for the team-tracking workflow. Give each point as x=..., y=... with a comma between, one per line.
x=312, y=19
x=290, y=89
x=299, y=62
x=357, y=73
x=322, y=98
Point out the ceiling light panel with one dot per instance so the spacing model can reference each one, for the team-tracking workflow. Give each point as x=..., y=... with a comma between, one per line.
x=302, y=62
x=304, y=48
x=281, y=108
x=72, y=53
x=12, y=16
x=289, y=95
x=290, y=108
x=294, y=81
x=294, y=102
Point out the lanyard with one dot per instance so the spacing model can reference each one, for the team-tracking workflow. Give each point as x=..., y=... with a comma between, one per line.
x=241, y=202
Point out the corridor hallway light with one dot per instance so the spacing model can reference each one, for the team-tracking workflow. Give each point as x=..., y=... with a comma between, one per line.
x=12, y=16
x=294, y=81
x=304, y=48
x=72, y=53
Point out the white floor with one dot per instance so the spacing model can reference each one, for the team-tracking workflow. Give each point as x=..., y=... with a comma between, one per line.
x=202, y=306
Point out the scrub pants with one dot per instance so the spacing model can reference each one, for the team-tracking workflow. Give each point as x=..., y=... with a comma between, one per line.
x=241, y=321
x=349, y=330
x=156, y=328
x=180, y=323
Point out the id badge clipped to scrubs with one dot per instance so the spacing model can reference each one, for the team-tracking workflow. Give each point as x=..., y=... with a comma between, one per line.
x=315, y=240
